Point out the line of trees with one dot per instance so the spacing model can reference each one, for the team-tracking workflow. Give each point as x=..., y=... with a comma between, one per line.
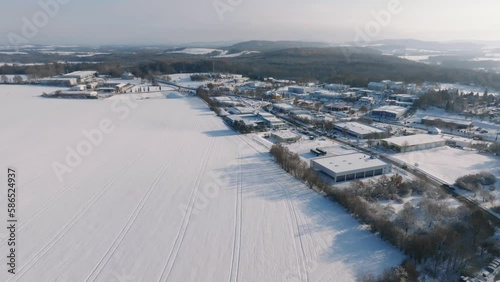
x=446, y=243
x=446, y=247
x=293, y=164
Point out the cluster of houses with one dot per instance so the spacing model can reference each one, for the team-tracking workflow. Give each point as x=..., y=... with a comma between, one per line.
x=90, y=85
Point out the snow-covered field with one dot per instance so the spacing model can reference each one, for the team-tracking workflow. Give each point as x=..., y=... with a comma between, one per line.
x=233, y=55
x=207, y=51
x=199, y=51
x=163, y=191
x=448, y=164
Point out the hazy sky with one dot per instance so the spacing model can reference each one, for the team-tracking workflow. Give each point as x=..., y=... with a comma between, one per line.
x=178, y=21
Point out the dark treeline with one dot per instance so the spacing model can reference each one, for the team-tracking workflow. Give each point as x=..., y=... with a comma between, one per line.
x=455, y=102
x=356, y=67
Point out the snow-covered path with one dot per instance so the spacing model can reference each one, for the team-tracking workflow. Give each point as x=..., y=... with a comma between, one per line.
x=170, y=194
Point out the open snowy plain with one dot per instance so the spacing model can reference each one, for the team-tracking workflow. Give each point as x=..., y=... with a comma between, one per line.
x=161, y=190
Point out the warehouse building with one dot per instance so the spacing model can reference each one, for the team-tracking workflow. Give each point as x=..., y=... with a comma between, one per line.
x=283, y=108
x=272, y=121
x=414, y=142
x=358, y=130
x=351, y=167
x=389, y=112
x=81, y=76
x=285, y=136
x=445, y=122
x=59, y=81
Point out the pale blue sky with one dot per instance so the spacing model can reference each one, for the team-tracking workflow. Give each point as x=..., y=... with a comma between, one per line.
x=177, y=21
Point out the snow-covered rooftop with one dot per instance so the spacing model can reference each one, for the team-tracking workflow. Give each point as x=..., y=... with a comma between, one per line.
x=351, y=162
x=359, y=128
x=414, y=140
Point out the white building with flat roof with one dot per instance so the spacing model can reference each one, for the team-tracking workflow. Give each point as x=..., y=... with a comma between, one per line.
x=80, y=75
x=415, y=142
x=272, y=121
x=351, y=167
x=357, y=129
x=285, y=108
x=286, y=136
x=389, y=112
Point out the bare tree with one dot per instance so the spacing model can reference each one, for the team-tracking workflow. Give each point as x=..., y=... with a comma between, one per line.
x=18, y=79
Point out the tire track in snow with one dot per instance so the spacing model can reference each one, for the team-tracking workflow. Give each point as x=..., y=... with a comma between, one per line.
x=123, y=233
x=54, y=198
x=303, y=275
x=169, y=265
x=43, y=251
x=238, y=221
x=45, y=206
x=295, y=226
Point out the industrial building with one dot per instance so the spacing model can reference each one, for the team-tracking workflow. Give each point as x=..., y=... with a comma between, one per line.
x=377, y=86
x=358, y=130
x=366, y=101
x=445, y=122
x=298, y=89
x=414, y=142
x=285, y=136
x=251, y=120
x=59, y=81
x=389, y=112
x=404, y=98
x=128, y=76
x=351, y=167
x=283, y=108
x=272, y=121
x=336, y=87
x=241, y=110
x=81, y=76
x=72, y=94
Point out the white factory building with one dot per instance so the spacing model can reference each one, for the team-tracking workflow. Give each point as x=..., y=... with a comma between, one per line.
x=81, y=76
x=358, y=130
x=351, y=167
x=286, y=136
x=414, y=142
x=389, y=112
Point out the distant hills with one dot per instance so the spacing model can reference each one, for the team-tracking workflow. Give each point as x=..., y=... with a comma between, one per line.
x=265, y=46
x=297, y=60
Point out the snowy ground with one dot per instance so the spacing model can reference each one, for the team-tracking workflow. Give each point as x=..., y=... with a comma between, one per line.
x=168, y=194
x=304, y=146
x=448, y=164
x=207, y=51
x=236, y=54
x=491, y=127
x=199, y=51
